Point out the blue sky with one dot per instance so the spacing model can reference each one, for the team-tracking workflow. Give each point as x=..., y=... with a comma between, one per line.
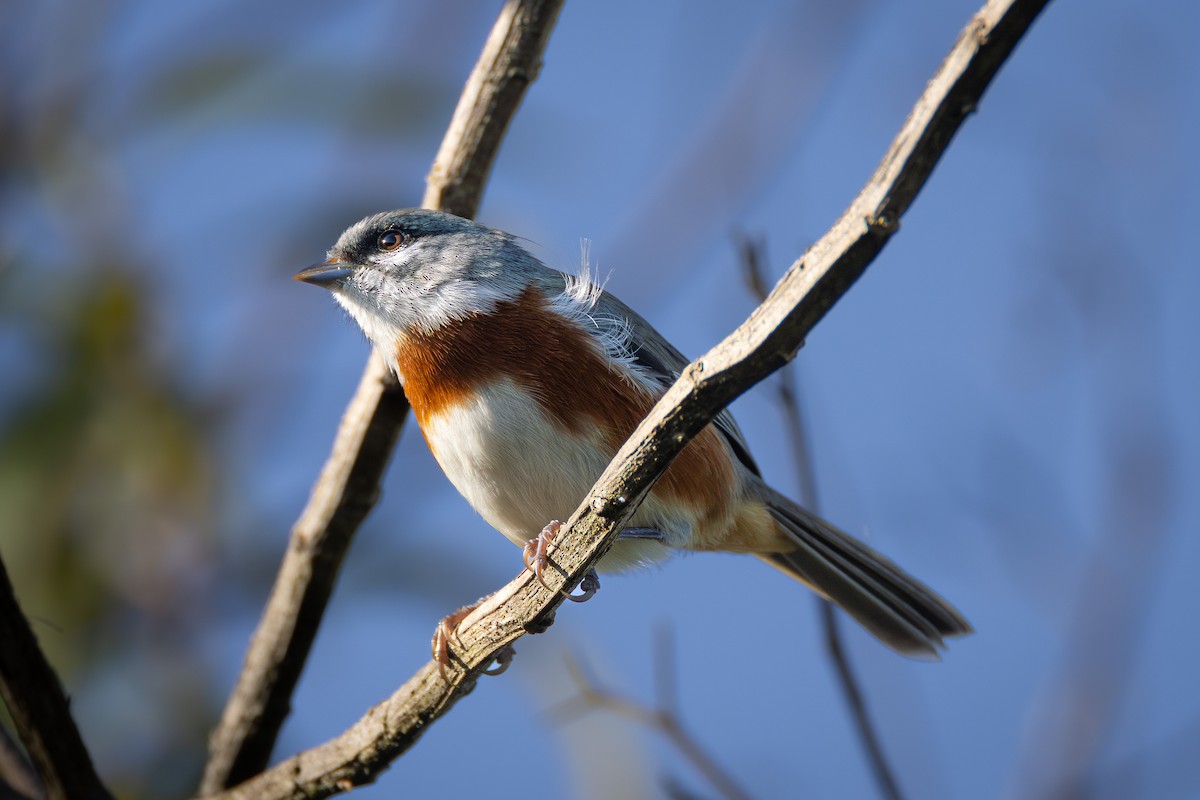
x=1004, y=404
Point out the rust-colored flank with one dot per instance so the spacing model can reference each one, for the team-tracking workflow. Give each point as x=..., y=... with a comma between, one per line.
x=565, y=370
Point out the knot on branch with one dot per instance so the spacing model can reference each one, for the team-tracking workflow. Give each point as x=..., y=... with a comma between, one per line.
x=980, y=30
x=523, y=74
x=883, y=223
x=609, y=507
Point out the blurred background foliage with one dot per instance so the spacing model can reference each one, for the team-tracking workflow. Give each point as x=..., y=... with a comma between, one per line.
x=1005, y=404
x=117, y=468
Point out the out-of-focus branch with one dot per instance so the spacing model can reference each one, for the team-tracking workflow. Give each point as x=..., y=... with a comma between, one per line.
x=753, y=254
x=868, y=736
x=349, y=482
x=748, y=131
x=762, y=344
x=664, y=718
x=40, y=710
x=17, y=778
x=1082, y=707
x=16, y=773
x=885, y=778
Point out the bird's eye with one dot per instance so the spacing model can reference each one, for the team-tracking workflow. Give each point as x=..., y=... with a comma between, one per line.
x=390, y=240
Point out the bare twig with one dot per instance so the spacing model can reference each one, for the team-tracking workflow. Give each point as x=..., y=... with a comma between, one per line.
x=885, y=778
x=766, y=341
x=7, y=792
x=1080, y=709
x=753, y=254
x=664, y=718
x=40, y=710
x=349, y=482
x=752, y=262
x=16, y=773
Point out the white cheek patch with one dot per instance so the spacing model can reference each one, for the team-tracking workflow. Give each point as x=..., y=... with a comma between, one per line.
x=385, y=310
x=445, y=303
x=380, y=330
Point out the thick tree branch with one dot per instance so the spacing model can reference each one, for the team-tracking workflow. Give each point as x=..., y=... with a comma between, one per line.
x=348, y=486
x=40, y=710
x=766, y=341
x=341, y=498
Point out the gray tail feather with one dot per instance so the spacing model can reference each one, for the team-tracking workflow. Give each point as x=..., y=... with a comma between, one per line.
x=896, y=608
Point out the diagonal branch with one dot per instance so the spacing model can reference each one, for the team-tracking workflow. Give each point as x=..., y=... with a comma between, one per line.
x=348, y=486
x=766, y=341
x=39, y=709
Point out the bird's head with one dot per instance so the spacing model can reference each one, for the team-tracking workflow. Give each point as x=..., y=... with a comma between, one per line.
x=415, y=270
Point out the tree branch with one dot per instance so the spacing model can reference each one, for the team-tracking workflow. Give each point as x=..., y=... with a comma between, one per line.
x=665, y=717
x=40, y=710
x=509, y=63
x=17, y=777
x=766, y=341
x=349, y=483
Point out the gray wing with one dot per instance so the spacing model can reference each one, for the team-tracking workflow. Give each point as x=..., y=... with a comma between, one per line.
x=660, y=358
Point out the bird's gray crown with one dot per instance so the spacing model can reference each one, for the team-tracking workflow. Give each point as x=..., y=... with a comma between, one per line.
x=360, y=241
x=417, y=270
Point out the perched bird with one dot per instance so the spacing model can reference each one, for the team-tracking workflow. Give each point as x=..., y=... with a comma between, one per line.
x=525, y=381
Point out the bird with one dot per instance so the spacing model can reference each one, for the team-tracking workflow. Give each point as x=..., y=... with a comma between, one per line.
x=525, y=381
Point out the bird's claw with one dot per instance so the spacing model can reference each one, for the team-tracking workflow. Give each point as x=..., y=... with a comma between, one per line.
x=537, y=559
x=503, y=660
x=588, y=586
x=537, y=549
x=446, y=630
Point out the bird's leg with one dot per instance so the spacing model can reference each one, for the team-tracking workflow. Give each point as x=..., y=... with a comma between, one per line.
x=537, y=551
x=447, y=629
x=537, y=557
x=641, y=533
x=591, y=581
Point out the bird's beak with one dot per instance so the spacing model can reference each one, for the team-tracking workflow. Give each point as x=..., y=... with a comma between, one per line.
x=329, y=274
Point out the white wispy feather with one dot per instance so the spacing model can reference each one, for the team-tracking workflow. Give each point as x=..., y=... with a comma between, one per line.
x=615, y=335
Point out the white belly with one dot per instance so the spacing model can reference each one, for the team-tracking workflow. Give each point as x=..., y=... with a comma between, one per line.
x=520, y=471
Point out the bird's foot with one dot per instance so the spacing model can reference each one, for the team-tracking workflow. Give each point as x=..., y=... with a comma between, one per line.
x=447, y=629
x=537, y=559
x=537, y=551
